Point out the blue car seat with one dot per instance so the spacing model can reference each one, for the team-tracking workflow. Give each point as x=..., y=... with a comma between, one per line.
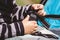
x=52, y=7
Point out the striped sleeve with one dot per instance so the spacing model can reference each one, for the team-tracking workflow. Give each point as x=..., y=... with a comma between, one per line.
x=20, y=12
x=11, y=30
x=24, y=11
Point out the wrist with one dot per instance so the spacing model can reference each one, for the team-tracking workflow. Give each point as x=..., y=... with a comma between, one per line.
x=22, y=28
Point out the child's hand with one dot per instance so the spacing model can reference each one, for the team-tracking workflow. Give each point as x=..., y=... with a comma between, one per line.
x=40, y=9
x=29, y=26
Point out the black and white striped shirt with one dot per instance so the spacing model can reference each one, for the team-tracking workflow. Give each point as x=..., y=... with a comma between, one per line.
x=11, y=17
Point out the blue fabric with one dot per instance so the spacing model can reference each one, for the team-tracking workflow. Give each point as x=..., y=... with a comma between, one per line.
x=52, y=7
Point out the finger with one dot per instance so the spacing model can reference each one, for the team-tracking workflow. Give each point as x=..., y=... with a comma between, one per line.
x=34, y=22
x=35, y=25
x=40, y=6
x=34, y=6
x=37, y=6
x=40, y=12
x=33, y=31
x=44, y=13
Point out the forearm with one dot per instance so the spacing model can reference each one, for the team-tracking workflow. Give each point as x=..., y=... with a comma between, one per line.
x=20, y=12
x=11, y=30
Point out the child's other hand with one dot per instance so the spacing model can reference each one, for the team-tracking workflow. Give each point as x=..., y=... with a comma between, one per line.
x=40, y=9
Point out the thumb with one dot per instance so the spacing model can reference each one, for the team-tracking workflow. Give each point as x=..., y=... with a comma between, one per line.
x=27, y=18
